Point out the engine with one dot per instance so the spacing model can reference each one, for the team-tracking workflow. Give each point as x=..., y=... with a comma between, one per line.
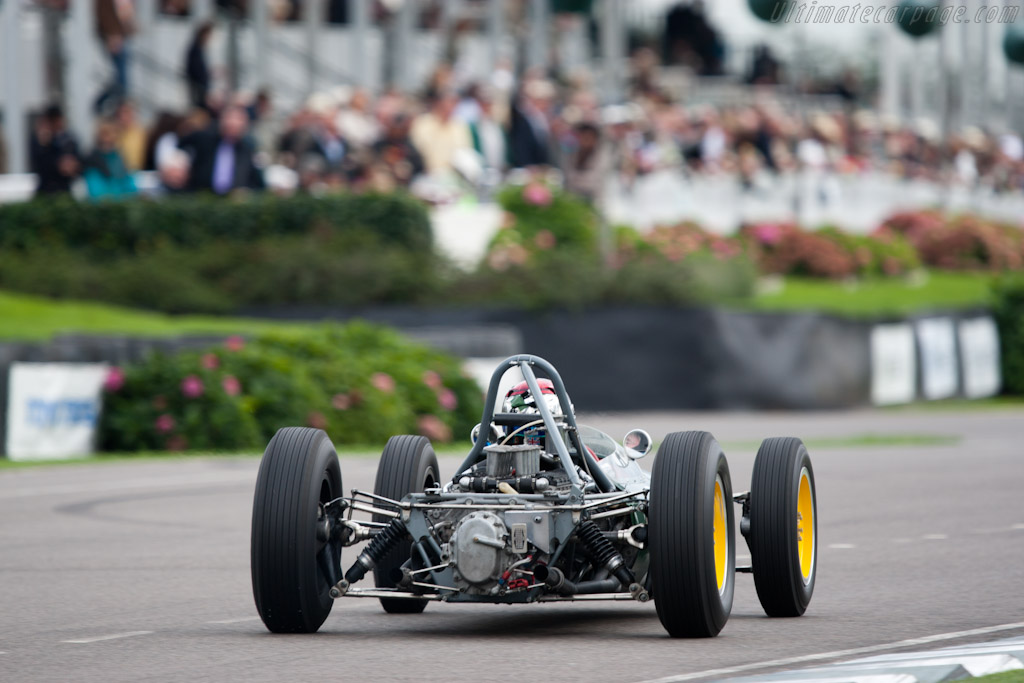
x=481, y=556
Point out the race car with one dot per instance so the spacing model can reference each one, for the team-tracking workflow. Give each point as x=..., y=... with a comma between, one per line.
x=541, y=509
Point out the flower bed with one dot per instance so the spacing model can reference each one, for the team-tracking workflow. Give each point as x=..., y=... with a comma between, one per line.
x=360, y=383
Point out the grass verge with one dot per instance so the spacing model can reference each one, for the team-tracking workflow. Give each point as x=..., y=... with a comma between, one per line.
x=882, y=296
x=34, y=318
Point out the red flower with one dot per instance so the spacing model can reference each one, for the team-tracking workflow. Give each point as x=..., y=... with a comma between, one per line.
x=316, y=420
x=537, y=194
x=447, y=400
x=114, y=380
x=432, y=379
x=164, y=423
x=234, y=343
x=341, y=401
x=545, y=239
x=231, y=385
x=192, y=387
x=210, y=361
x=382, y=381
x=433, y=428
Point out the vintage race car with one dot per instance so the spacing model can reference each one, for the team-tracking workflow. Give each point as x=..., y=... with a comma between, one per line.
x=542, y=509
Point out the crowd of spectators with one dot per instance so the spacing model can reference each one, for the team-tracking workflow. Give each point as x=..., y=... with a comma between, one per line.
x=455, y=137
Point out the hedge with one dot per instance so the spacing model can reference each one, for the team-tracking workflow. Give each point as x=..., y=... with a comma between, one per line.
x=1008, y=310
x=359, y=382
x=112, y=229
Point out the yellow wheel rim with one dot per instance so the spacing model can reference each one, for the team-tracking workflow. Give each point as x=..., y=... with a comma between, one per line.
x=805, y=526
x=721, y=538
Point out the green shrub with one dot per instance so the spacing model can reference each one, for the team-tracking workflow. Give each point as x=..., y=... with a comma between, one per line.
x=543, y=219
x=359, y=382
x=1008, y=310
x=108, y=230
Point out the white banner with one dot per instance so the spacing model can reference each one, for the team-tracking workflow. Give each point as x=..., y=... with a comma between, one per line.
x=893, y=364
x=939, y=371
x=53, y=409
x=979, y=357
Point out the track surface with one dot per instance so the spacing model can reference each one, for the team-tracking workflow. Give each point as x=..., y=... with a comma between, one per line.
x=138, y=572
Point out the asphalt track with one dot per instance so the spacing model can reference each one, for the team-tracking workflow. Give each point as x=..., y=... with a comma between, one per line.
x=140, y=572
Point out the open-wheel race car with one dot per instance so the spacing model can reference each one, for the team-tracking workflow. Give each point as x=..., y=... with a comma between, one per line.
x=542, y=509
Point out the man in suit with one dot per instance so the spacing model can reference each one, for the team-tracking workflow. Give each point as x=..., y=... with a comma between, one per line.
x=224, y=159
x=529, y=138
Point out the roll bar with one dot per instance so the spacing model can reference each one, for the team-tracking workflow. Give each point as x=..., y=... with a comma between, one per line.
x=525, y=362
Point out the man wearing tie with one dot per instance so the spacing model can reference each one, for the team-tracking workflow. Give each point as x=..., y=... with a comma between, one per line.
x=223, y=160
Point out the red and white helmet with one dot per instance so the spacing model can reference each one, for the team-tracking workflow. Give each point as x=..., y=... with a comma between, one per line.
x=519, y=398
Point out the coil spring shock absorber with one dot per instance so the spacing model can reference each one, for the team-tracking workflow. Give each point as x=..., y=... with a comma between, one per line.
x=382, y=543
x=604, y=553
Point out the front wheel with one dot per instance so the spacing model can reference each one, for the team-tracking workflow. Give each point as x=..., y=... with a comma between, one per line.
x=783, y=534
x=407, y=465
x=292, y=567
x=692, y=537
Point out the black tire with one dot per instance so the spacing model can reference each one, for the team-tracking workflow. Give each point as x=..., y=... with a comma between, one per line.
x=299, y=472
x=784, y=558
x=692, y=585
x=407, y=465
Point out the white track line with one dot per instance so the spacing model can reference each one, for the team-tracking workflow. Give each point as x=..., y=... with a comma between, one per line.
x=113, y=636
x=1018, y=527
x=842, y=546
x=239, y=620
x=788, y=661
x=935, y=537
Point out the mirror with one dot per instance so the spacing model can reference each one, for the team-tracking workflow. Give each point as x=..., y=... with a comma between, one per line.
x=493, y=436
x=638, y=443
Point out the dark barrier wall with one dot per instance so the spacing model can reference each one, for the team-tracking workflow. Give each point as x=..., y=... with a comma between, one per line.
x=654, y=358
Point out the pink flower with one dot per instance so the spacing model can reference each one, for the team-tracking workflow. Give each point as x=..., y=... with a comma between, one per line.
x=164, y=423
x=316, y=420
x=768, y=233
x=210, y=361
x=234, y=343
x=433, y=428
x=382, y=381
x=114, y=380
x=537, y=194
x=231, y=385
x=177, y=443
x=192, y=387
x=447, y=400
x=432, y=379
x=341, y=401
x=545, y=239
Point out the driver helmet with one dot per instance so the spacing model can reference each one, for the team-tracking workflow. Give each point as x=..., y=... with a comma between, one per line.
x=519, y=399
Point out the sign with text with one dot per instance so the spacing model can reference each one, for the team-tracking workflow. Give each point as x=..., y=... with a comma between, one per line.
x=53, y=409
x=893, y=364
x=979, y=357
x=936, y=338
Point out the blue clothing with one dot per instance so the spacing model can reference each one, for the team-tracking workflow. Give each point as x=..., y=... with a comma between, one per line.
x=106, y=176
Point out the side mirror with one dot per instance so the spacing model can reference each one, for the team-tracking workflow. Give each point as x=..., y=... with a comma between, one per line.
x=638, y=443
x=492, y=437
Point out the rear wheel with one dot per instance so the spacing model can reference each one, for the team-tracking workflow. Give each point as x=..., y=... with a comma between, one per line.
x=407, y=465
x=292, y=567
x=692, y=537
x=783, y=527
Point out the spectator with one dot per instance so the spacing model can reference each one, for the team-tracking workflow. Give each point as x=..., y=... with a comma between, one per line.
x=106, y=175
x=438, y=135
x=131, y=137
x=356, y=123
x=223, y=160
x=398, y=159
x=115, y=21
x=162, y=139
x=588, y=165
x=197, y=70
x=488, y=137
x=54, y=153
x=173, y=173
x=530, y=131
